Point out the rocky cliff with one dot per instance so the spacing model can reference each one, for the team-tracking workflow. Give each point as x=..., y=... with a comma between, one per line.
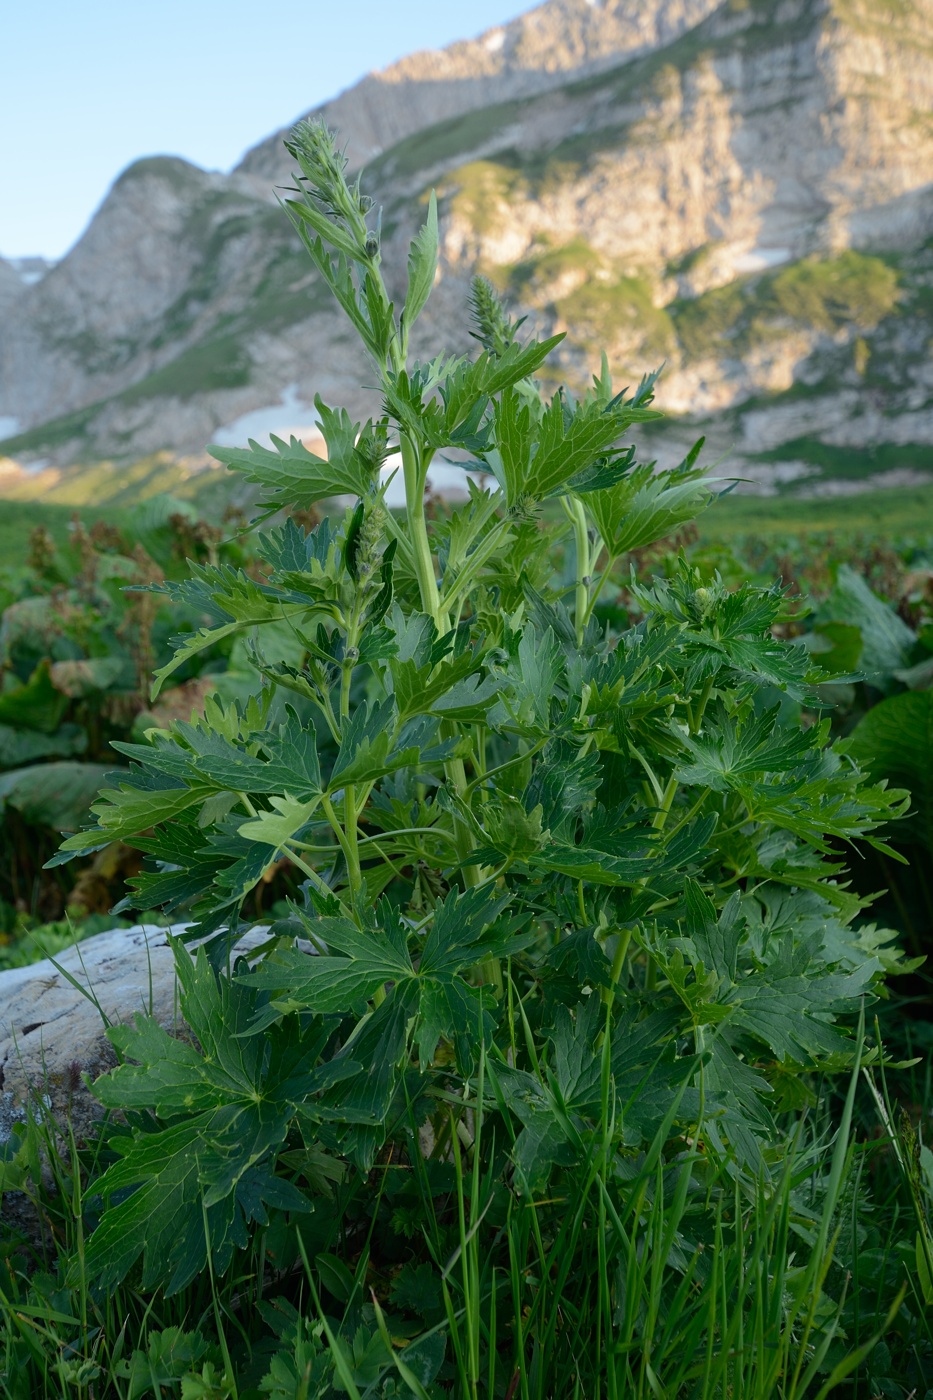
x=742, y=189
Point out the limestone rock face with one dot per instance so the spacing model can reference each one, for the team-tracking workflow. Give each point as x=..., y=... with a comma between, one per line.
x=531, y=54
x=53, y=1032
x=655, y=177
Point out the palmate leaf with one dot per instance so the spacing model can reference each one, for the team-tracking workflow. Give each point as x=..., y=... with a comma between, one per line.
x=791, y=1013
x=143, y=799
x=534, y=673
x=637, y=855
x=828, y=799
x=780, y=990
x=730, y=750
x=204, y=757
x=564, y=785
x=237, y=1102
x=452, y=687
x=235, y=601
x=465, y=930
x=187, y=865
x=560, y=1110
x=533, y=460
x=469, y=385
x=633, y=674
x=367, y=748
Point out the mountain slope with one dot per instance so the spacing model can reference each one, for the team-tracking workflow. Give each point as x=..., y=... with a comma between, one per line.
x=743, y=189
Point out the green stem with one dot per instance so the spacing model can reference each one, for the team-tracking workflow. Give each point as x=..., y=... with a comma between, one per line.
x=431, y=602
x=387, y=836
x=471, y=566
x=581, y=539
x=660, y=817
x=603, y=578
x=696, y=717
x=421, y=545
x=622, y=947
x=350, y=852
x=350, y=656
x=311, y=873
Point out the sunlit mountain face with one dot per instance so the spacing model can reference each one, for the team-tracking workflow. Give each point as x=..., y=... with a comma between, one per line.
x=743, y=191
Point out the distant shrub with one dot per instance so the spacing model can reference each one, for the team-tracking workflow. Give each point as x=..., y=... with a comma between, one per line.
x=851, y=289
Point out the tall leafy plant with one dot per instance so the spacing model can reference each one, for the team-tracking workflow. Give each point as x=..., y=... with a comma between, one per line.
x=599, y=863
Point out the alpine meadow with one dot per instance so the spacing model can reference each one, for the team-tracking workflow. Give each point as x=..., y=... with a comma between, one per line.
x=558, y=1074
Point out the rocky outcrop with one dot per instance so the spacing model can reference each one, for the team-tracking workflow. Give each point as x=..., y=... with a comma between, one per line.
x=656, y=178
x=54, y=1015
x=534, y=53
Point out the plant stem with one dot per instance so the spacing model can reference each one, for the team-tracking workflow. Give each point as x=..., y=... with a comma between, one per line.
x=577, y=514
x=423, y=559
x=471, y=567
x=350, y=851
x=431, y=602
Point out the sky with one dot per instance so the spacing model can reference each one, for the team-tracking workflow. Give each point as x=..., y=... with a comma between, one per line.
x=91, y=85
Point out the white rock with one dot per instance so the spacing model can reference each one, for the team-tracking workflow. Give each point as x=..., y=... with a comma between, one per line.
x=53, y=1017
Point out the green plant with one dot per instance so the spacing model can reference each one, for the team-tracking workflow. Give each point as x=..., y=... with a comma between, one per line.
x=574, y=925
x=78, y=642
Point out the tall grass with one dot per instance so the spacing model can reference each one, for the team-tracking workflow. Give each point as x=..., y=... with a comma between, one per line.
x=665, y=1277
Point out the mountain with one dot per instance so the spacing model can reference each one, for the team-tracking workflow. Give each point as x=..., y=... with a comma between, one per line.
x=741, y=189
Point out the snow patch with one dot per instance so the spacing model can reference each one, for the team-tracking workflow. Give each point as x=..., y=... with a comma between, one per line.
x=292, y=417
x=495, y=40
x=758, y=259
x=31, y=270
x=9, y=427
x=449, y=480
x=289, y=417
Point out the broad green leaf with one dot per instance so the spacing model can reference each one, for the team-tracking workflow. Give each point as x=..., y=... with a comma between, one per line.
x=333, y=984
x=730, y=751
x=894, y=742
x=36, y=705
x=292, y=475
x=886, y=639
x=19, y=747
x=137, y=804
x=237, y=1101
x=277, y=827
x=367, y=748
x=54, y=794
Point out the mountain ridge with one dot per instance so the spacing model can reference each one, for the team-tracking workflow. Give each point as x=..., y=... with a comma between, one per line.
x=741, y=187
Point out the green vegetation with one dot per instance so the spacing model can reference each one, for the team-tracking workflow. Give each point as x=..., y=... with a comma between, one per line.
x=219, y=363
x=905, y=513
x=57, y=432
x=848, y=290
x=554, y=1076
x=851, y=290
x=852, y=462
x=442, y=143
x=79, y=635
x=620, y=310
x=587, y=293
x=481, y=192
x=20, y=519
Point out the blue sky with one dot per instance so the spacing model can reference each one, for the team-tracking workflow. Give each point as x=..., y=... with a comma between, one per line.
x=90, y=85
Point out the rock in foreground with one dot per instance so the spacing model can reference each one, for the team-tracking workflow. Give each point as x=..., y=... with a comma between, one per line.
x=53, y=1017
